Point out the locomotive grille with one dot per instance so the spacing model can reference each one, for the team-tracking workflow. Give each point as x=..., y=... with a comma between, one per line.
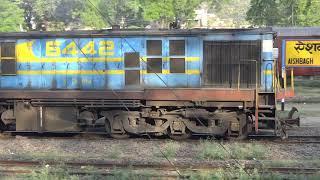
x=229, y=64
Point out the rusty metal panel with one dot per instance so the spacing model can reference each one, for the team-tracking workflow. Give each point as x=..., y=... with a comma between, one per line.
x=72, y=94
x=196, y=94
x=27, y=117
x=60, y=119
x=204, y=94
x=229, y=63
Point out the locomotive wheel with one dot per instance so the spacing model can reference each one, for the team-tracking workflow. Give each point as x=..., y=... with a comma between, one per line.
x=122, y=134
x=178, y=137
x=119, y=136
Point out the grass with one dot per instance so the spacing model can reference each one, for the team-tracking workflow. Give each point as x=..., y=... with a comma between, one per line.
x=293, y=163
x=245, y=151
x=248, y=151
x=240, y=173
x=169, y=150
x=128, y=174
x=50, y=173
x=211, y=151
x=47, y=172
x=115, y=152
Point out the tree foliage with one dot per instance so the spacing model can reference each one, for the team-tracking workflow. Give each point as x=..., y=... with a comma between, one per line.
x=51, y=14
x=103, y=13
x=11, y=16
x=96, y=14
x=263, y=12
x=166, y=11
x=308, y=13
x=284, y=12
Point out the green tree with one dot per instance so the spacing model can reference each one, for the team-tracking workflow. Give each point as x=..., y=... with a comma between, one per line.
x=51, y=14
x=91, y=17
x=166, y=11
x=307, y=13
x=11, y=16
x=231, y=14
x=284, y=12
x=104, y=13
x=264, y=13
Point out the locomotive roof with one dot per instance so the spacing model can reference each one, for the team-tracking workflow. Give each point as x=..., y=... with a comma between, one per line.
x=132, y=32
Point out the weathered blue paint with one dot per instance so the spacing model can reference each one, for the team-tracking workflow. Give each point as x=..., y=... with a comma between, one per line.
x=49, y=74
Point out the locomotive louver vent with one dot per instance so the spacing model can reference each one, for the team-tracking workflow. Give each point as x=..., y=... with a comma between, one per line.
x=224, y=59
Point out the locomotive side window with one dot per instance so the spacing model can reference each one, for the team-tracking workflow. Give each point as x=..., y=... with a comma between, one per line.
x=177, y=56
x=177, y=48
x=154, y=49
x=177, y=65
x=154, y=65
x=132, y=68
x=131, y=60
x=8, y=58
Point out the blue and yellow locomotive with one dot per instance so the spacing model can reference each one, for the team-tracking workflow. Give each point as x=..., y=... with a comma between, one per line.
x=162, y=82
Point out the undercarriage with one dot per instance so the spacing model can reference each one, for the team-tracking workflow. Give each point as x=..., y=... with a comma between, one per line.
x=132, y=118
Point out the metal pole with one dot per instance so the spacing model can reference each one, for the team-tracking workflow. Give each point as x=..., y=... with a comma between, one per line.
x=292, y=22
x=292, y=80
x=239, y=76
x=282, y=104
x=257, y=101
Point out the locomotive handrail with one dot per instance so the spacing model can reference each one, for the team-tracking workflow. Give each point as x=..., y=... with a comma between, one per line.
x=265, y=77
x=256, y=95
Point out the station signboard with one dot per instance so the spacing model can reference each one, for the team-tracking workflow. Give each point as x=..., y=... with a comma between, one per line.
x=302, y=53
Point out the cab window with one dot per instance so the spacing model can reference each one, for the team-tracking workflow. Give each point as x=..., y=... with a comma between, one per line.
x=8, y=58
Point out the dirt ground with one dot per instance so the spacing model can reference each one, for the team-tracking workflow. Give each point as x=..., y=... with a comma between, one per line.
x=135, y=150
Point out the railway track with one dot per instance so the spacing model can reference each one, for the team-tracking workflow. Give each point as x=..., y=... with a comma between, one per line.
x=166, y=169
x=292, y=139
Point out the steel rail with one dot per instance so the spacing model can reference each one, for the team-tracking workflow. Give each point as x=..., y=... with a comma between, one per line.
x=196, y=138
x=155, y=166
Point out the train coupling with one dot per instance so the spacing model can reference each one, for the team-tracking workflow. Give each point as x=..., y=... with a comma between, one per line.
x=292, y=119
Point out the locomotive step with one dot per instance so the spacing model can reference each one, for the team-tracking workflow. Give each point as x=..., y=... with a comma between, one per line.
x=267, y=118
x=265, y=111
x=267, y=106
